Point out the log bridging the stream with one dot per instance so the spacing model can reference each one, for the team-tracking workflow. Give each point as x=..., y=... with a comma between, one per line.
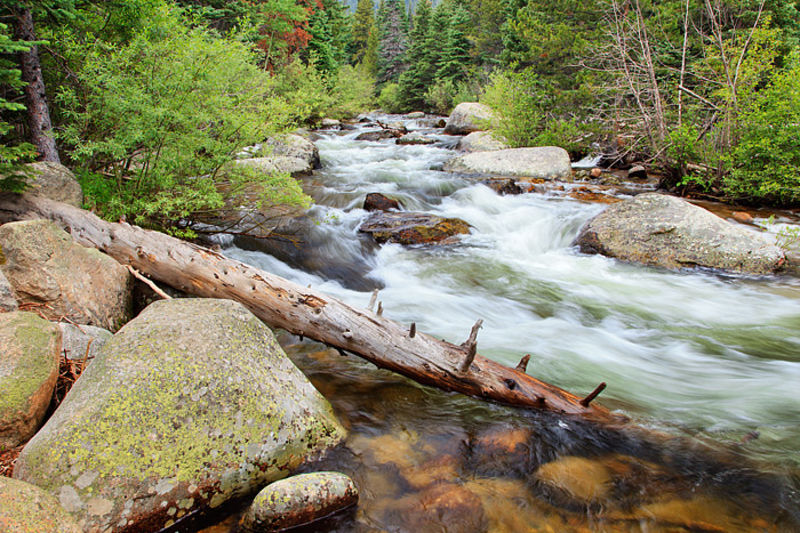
x=305, y=312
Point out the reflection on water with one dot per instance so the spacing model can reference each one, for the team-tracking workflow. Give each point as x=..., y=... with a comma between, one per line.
x=698, y=354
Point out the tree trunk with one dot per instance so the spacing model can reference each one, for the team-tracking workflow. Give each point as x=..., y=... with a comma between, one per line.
x=35, y=97
x=306, y=312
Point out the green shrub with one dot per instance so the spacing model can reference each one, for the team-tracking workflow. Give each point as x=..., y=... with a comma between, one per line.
x=353, y=91
x=444, y=95
x=515, y=99
x=389, y=100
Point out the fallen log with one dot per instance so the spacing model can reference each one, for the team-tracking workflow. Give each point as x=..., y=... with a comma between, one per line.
x=306, y=312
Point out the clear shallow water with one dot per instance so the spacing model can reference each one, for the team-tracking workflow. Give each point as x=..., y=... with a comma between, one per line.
x=697, y=353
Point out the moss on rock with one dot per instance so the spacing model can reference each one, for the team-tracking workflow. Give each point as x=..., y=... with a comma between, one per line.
x=28, y=509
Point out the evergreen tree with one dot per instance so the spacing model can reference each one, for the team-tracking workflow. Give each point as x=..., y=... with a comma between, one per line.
x=363, y=21
x=421, y=71
x=329, y=27
x=454, y=63
x=370, y=61
x=392, y=45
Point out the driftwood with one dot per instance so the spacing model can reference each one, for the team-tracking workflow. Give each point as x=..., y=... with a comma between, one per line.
x=306, y=312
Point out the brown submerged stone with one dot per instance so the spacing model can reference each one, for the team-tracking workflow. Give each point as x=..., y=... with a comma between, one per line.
x=412, y=228
x=376, y=201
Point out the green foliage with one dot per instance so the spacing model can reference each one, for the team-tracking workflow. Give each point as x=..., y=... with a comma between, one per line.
x=353, y=91
x=392, y=40
x=390, y=98
x=363, y=21
x=158, y=118
x=422, y=66
x=443, y=96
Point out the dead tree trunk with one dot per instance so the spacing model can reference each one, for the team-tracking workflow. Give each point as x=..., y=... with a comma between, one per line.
x=304, y=311
x=35, y=96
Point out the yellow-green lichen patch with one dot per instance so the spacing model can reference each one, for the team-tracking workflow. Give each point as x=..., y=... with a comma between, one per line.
x=28, y=509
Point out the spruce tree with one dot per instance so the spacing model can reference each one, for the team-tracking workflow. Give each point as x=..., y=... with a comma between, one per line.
x=370, y=61
x=419, y=76
x=392, y=46
x=363, y=21
x=454, y=63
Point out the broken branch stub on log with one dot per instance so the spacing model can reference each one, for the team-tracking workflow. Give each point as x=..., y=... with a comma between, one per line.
x=303, y=311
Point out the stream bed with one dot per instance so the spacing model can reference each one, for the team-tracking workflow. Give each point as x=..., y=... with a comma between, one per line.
x=710, y=362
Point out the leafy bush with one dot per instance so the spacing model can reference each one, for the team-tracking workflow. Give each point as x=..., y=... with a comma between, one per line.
x=443, y=96
x=353, y=91
x=515, y=99
x=303, y=89
x=389, y=100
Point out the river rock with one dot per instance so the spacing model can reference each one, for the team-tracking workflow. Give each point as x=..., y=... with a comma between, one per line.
x=191, y=404
x=415, y=115
x=29, y=509
x=299, y=500
x=444, y=507
x=295, y=146
x=45, y=266
x=412, y=228
x=415, y=138
x=55, y=181
x=376, y=201
x=666, y=231
x=502, y=451
x=580, y=478
x=503, y=186
x=8, y=301
x=468, y=117
x=275, y=164
x=379, y=135
x=79, y=342
x=546, y=162
x=28, y=371
x=480, y=141
x=329, y=124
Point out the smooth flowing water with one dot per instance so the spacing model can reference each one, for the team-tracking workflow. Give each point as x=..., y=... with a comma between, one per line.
x=697, y=353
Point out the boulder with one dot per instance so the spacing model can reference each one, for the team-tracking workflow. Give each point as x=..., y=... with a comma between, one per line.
x=637, y=172
x=503, y=186
x=468, y=117
x=375, y=201
x=666, y=231
x=329, y=124
x=29, y=509
x=379, y=135
x=415, y=115
x=275, y=164
x=79, y=342
x=415, y=138
x=546, y=162
x=297, y=147
x=480, y=141
x=55, y=181
x=396, y=126
x=412, y=228
x=191, y=404
x=298, y=500
x=8, y=301
x=45, y=266
x=28, y=372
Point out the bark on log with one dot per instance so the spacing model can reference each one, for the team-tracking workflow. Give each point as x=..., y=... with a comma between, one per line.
x=303, y=311
x=35, y=96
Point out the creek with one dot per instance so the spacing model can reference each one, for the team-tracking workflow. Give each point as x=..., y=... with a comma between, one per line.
x=710, y=360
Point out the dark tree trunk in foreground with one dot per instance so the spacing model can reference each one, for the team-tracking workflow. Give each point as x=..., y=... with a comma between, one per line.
x=35, y=97
x=304, y=311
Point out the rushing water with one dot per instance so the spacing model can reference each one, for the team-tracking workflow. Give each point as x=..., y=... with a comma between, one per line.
x=693, y=353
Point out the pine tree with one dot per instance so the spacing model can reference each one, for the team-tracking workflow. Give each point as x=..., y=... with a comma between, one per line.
x=363, y=21
x=392, y=46
x=419, y=76
x=454, y=64
x=370, y=61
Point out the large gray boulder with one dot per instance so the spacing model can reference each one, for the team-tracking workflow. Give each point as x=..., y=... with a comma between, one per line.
x=468, y=117
x=55, y=181
x=545, y=162
x=294, y=146
x=480, y=141
x=191, y=404
x=298, y=500
x=28, y=509
x=47, y=268
x=8, y=301
x=29, y=355
x=666, y=231
x=286, y=153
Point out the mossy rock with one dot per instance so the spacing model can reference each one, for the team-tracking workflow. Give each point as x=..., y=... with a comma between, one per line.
x=28, y=509
x=189, y=405
x=45, y=266
x=29, y=355
x=412, y=228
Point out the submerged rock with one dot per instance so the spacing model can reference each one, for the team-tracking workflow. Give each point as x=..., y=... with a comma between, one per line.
x=376, y=201
x=28, y=509
x=546, y=162
x=481, y=141
x=444, y=507
x=666, y=231
x=29, y=355
x=412, y=228
x=55, y=181
x=191, y=404
x=48, y=269
x=298, y=500
x=468, y=117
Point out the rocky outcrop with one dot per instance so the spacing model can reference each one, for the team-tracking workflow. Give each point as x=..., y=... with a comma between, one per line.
x=546, y=162
x=28, y=509
x=298, y=500
x=28, y=372
x=8, y=302
x=480, y=141
x=82, y=342
x=468, y=117
x=48, y=269
x=55, y=181
x=414, y=138
x=413, y=228
x=660, y=230
x=376, y=201
x=191, y=404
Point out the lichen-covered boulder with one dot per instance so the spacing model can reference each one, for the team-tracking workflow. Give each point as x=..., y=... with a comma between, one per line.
x=82, y=342
x=468, y=117
x=29, y=355
x=45, y=266
x=481, y=141
x=191, y=404
x=8, y=302
x=290, y=153
x=296, y=146
x=298, y=500
x=407, y=227
x=55, y=181
x=544, y=162
x=25, y=508
x=666, y=231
